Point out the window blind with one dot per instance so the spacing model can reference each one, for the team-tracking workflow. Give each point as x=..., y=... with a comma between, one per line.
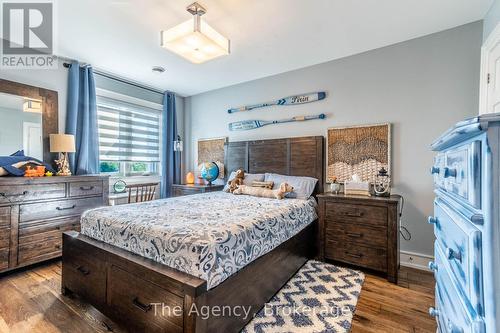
x=128, y=132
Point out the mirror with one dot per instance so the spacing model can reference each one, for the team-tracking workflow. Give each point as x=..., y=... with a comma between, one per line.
x=28, y=115
x=20, y=126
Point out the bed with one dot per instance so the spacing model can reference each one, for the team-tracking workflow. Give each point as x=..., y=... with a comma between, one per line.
x=160, y=266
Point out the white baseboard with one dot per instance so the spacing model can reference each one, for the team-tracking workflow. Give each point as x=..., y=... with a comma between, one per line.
x=415, y=260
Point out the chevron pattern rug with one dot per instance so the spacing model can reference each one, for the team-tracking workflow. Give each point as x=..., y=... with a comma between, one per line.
x=320, y=298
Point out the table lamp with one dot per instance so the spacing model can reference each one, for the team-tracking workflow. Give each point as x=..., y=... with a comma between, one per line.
x=62, y=144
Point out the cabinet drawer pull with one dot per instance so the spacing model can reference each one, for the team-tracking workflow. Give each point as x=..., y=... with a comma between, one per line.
x=354, y=255
x=452, y=254
x=433, y=312
x=82, y=270
x=449, y=172
x=3, y=194
x=65, y=208
x=432, y=266
x=354, y=214
x=432, y=220
x=354, y=235
x=434, y=170
x=58, y=247
x=143, y=307
x=86, y=188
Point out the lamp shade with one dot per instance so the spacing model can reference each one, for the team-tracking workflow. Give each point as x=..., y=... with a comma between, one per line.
x=62, y=143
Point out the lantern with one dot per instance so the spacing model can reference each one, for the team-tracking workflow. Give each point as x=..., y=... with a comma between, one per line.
x=382, y=185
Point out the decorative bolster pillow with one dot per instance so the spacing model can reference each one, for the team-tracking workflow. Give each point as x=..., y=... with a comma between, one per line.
x=268, y=185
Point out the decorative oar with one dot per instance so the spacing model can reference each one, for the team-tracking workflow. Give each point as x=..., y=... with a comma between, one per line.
x=246, y=125
x=292, y=100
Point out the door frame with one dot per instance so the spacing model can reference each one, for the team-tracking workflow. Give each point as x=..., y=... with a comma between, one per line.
x=26, y=125
x=488, y=45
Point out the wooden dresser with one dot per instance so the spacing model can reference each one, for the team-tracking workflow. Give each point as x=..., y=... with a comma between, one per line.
x=34, y=212
x=362, y=231
x=187, y=189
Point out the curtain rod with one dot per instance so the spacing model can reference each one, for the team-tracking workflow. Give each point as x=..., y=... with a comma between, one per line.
x=119, y=79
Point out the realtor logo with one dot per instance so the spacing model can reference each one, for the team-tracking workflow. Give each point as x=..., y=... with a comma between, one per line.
x=27, y=35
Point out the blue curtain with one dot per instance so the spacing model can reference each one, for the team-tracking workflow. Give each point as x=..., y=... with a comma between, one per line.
x=81, y=120
x=170, y=164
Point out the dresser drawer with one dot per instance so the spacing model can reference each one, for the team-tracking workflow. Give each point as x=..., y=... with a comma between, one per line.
x=131, y=297
x=452, y=313
x=53, y=209
x=80, y=189
x=4, y=217
x=4, y=238
x=47, y=230
x=4, y=259
x=460, y=175
x=178, y=192
x=357, y=234
x=460, y=242
x=356, y=214
x=38, y=251
x=84, y=277
x=358, y=255
x=9, y=193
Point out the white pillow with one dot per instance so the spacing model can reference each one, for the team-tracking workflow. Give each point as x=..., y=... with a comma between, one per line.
x=248, y=180
x=303, y=187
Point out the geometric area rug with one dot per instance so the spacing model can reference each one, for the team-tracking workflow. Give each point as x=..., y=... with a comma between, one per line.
x=319, y=298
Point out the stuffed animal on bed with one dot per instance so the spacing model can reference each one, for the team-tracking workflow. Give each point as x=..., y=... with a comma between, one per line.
x=236, y=181
x=279, y=193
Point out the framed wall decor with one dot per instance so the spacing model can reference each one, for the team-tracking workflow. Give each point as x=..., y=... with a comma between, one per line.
x=212, y=150
x=361, y=150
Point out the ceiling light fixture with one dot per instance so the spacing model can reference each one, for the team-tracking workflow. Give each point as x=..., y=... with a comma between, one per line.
x=197, y=44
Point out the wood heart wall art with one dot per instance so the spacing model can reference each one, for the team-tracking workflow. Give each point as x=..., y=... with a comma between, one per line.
x=291, y=100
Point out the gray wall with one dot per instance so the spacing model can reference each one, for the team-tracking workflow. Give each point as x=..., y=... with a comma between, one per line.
x=421, y=86
x=491, y=19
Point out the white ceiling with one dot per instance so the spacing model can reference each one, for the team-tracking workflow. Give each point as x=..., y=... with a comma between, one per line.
x=267, y=36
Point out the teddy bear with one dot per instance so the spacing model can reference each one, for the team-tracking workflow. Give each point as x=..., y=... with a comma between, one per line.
x=279, y=193
x=236, y=181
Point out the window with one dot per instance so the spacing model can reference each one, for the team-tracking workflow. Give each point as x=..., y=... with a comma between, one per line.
x=129, y=135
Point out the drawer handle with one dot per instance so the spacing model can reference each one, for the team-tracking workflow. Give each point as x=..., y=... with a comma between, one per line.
x=13, y=195
x=82, y=270
x=432, y=266
x=477, y=219
x=354, y=255
x=448, y=172
x=434, y=170
x=65, y=208
x=86, y=188
x=452, y=254
x=356, y=214
x=453, y=328
x=354, y=235
x=58, y=247
x=433, y=312
x=432, y=220
x=140, y=305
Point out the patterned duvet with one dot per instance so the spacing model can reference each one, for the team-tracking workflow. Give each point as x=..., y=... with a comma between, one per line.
x=210, y=235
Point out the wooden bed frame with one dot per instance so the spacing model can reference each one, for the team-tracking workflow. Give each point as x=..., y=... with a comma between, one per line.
x=147, y=296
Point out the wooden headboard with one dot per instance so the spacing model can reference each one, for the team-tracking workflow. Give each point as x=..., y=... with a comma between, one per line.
x=302, y=156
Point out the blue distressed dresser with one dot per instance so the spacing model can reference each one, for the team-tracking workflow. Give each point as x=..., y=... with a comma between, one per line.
x=466, y=221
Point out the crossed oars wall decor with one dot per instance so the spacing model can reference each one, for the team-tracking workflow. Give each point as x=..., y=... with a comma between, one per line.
x=291, y=100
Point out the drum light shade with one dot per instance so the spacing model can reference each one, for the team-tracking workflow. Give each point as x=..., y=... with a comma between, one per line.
x=196, y=41
x=62, y=143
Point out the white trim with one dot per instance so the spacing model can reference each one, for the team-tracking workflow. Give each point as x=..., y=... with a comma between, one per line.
x=492, y=40
x=415, y=260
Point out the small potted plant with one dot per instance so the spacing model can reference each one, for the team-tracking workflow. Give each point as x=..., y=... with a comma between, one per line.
x=335, y=186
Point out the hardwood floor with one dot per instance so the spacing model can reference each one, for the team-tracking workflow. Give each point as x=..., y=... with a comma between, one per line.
x=30, y=301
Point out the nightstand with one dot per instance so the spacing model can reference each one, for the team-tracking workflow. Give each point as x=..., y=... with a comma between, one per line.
x=361, y=231
x=179, y=190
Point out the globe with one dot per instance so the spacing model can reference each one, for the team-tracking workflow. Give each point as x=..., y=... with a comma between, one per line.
x=209, y=171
